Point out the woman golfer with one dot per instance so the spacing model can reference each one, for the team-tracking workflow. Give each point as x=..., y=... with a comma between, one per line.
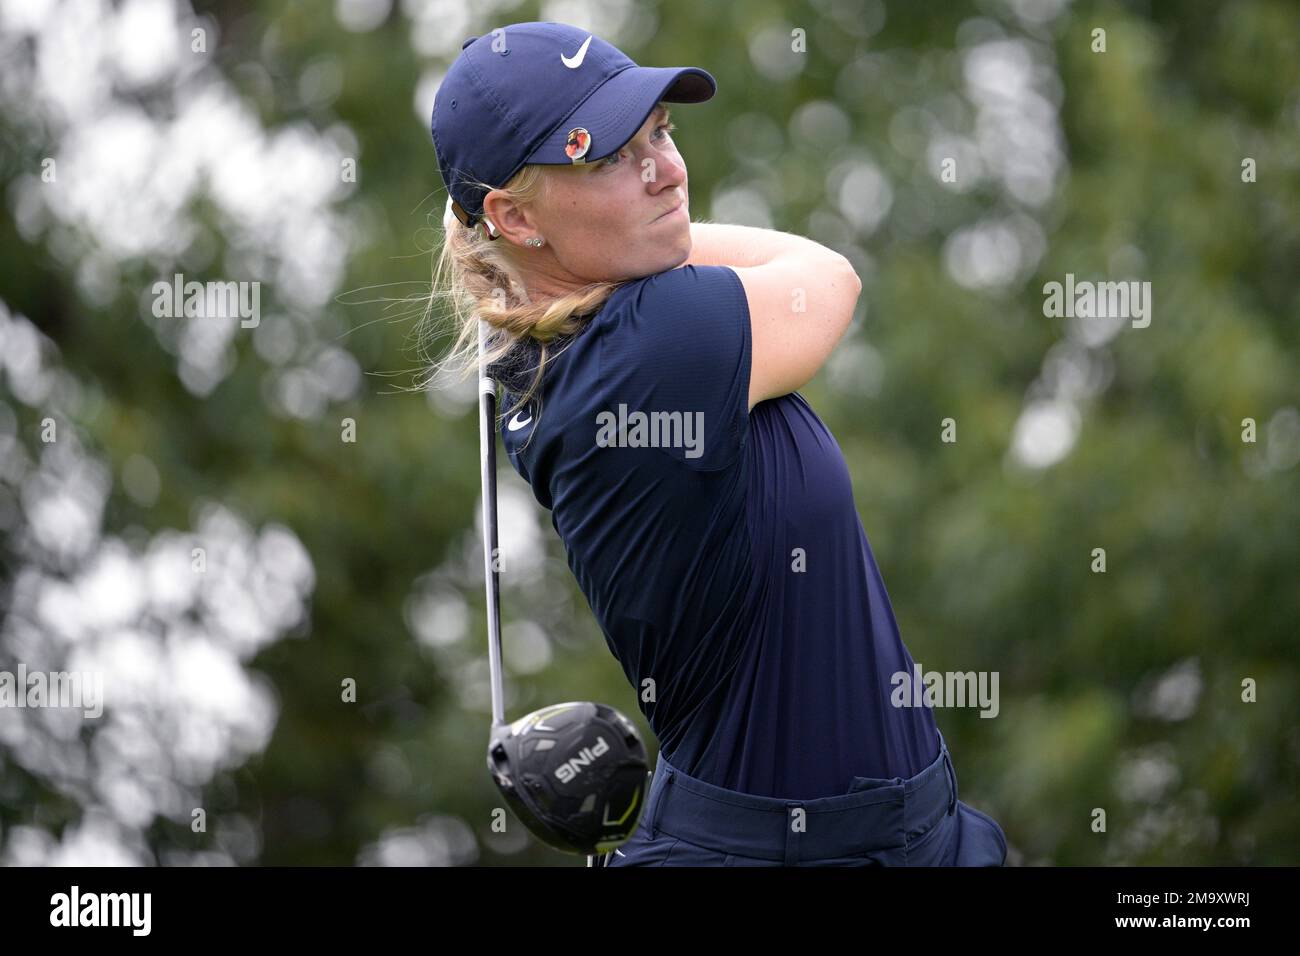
x=650, y=366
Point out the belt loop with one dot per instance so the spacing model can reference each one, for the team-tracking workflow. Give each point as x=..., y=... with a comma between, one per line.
x=659, y=803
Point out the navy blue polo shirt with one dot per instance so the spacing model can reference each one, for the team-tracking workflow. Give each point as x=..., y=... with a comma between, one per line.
x=719, y=548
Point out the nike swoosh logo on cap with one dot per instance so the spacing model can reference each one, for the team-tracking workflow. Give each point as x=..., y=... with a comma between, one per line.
x=515, y=424
x=576, y=62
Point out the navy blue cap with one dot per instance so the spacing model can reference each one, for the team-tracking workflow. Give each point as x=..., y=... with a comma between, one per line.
x=543, y=93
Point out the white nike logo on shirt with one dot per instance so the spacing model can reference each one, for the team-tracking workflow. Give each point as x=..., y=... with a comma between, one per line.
x=576, y=62
x=515, y=424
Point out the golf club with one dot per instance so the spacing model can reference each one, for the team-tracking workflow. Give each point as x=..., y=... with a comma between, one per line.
x=574, y=773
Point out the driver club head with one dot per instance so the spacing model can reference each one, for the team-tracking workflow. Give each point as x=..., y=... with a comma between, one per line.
x=574, y=773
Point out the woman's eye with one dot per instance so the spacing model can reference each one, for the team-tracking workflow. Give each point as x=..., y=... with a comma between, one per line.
x=612, y=160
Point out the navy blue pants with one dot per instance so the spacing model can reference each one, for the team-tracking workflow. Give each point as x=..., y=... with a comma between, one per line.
x=878, y=822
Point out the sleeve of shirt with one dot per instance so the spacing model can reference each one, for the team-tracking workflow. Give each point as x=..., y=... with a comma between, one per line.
x=680, y=357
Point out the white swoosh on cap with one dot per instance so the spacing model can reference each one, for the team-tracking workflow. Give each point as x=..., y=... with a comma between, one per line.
x=515, y=424
x=576, y=62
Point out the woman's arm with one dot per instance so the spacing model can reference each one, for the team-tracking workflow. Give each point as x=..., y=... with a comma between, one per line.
x=801, y=298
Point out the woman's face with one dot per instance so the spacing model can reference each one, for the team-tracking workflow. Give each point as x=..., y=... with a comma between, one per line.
x=603, y=221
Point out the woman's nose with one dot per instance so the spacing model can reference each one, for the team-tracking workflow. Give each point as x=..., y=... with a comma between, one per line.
x=669, y=171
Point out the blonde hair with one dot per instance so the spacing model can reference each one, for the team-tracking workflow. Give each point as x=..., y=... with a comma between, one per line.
x=475, y=274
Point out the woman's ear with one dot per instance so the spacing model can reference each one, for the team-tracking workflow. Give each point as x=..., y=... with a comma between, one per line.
x=507, y=218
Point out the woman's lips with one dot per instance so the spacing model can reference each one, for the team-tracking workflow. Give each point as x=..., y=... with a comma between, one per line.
x=680, y=207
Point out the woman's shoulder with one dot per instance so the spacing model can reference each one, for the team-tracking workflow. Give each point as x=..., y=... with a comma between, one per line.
x=652, y=313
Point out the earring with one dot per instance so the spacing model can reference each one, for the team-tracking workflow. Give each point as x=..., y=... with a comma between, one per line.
x=534, y=241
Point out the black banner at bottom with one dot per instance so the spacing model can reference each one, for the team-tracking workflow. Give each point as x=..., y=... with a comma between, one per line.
x=333, y=906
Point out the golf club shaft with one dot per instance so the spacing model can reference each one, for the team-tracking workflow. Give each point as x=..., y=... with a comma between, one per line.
x=487, y=389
